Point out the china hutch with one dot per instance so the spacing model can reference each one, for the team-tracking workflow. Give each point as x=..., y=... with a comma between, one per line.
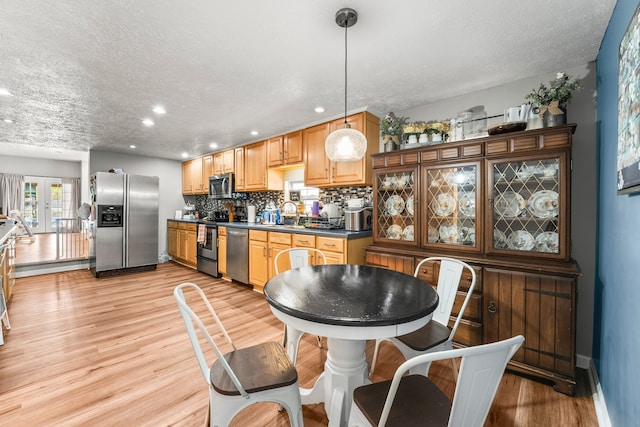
x=502, y=204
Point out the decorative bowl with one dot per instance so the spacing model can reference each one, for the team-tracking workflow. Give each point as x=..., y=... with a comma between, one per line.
x=507, y=127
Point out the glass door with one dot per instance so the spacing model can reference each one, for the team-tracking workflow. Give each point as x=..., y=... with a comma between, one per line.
x=42, y=203
x=451, y=201
x=527, y=207
x=397, y=209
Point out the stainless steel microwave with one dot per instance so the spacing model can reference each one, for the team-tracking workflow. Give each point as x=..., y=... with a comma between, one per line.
x=221, y=186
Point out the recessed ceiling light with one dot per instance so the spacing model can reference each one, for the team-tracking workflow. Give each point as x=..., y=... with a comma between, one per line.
x=319, y=109
x=213, y=145
x=185, y=155
x=254, y=132
x=132, y=146
x=5, y=92
x=148, y=122
x=159, y=109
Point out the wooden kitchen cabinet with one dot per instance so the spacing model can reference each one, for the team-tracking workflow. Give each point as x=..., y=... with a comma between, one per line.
x=207, y=167
x=285, y=150
x=192, y=182
x=321, y=172
x=222, y=250
x=172, y=239
x=502, y=204
x=258, y=177
x=238, y=154
x=265, y=245
x=8, y=268
x=181, y=242
x=223, y=162
x=263, y=248
x=277, y=243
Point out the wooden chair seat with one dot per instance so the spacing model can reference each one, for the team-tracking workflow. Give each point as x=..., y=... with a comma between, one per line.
x=429, y=336
x=408, y=406
x=261, y=367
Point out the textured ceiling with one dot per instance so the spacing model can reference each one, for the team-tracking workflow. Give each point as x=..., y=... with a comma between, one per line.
x=85, y=73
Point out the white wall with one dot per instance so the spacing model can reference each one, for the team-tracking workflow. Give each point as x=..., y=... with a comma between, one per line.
x=169, y=173
x=583, y=199
x=40, y=167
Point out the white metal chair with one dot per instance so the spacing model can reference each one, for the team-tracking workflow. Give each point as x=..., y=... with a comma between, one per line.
x=414, y=400
x=435, y=335
x=298, y=257
x=241, y=377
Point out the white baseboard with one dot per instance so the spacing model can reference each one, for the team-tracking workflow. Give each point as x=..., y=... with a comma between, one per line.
x=583, y=362
x=36, y=270
x=598, y=397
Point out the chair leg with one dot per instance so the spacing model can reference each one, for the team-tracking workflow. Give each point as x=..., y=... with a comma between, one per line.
x=375, y=358
x=207, y=419
x=454, y=368
x=284, y=338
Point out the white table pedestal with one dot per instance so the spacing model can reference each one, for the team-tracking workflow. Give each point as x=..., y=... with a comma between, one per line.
x=344, y=370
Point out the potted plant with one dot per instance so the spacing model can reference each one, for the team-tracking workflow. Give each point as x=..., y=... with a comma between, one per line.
x=437, y=131
x=553, y=100
x=391, y=128
x=411, y=132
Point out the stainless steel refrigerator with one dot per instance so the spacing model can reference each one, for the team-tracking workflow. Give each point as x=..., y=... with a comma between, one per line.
x=126, y=233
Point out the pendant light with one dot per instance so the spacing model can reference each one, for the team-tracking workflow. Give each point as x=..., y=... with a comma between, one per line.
x=345, y=144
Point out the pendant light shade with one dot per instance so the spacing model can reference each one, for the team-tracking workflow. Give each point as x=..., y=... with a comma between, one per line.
x=345, y=144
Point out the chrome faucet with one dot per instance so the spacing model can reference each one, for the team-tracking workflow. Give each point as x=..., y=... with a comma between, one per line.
x=295, y=209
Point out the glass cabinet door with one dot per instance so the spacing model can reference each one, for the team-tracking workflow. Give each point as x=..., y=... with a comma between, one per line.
x=527, y=207
x=451, y=205
x=395, y=198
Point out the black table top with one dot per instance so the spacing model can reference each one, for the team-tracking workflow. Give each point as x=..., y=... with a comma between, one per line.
x=351, y=295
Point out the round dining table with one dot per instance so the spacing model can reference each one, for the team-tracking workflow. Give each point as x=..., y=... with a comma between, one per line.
x=348, y=304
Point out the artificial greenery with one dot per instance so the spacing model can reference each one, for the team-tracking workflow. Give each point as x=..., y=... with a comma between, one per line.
x=561, y=90
x=392, y=125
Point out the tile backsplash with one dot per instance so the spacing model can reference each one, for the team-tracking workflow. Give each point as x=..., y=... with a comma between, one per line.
x=260, y=200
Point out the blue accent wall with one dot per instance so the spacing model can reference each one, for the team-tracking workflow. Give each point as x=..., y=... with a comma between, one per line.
x=616, y=341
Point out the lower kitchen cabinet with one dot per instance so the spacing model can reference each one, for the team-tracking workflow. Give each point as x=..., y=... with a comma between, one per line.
x=509, y=301
x=263, y=248
x=222, y=250
x=181, y=242
x=265, y=245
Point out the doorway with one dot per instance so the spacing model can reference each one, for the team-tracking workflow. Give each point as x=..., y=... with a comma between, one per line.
x=42, y=203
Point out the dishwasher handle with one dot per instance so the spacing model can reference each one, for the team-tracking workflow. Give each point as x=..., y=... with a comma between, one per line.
x=241, y=233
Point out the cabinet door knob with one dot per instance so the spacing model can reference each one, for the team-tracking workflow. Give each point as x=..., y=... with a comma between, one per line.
x=492, y=307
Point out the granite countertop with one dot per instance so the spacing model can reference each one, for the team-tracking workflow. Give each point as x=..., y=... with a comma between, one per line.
x=341, y=233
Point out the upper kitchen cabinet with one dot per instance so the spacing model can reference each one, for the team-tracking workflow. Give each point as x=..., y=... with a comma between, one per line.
x=223, y=162
x=285, y=150
x=192, y=177
x=238, y=155
x=258, y=177
x=321, y=172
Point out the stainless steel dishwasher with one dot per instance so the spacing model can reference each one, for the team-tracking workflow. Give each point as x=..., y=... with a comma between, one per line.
x=238, y=254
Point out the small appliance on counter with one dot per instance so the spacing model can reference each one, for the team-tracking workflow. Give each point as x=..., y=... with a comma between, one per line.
x=357, y=218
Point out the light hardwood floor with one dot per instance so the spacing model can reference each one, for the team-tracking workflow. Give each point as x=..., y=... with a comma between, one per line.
x=114, y=351
x=42, y=248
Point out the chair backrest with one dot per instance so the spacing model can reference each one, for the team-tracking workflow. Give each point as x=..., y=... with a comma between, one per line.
x=479, y=376
x=449, y=276
x=191, y=321
x=298, y=257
